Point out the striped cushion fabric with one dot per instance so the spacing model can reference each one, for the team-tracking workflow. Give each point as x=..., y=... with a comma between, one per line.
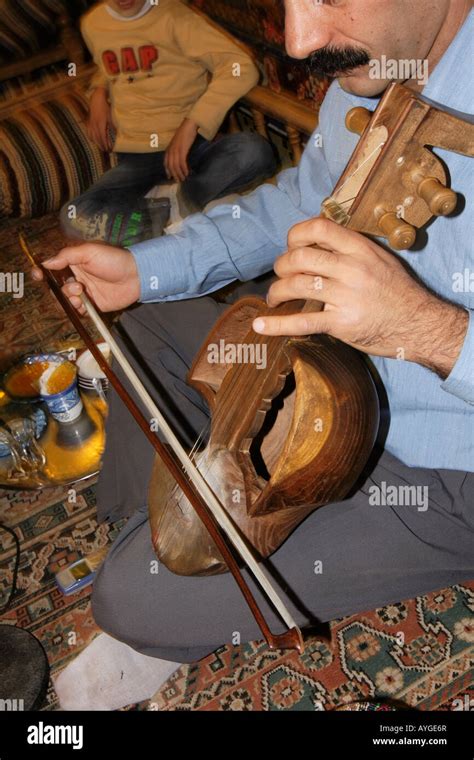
x=46, y=157
x=35, y=83
x=27, y=26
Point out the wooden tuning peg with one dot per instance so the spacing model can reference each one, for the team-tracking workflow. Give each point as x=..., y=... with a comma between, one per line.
x=400, y=235
x=441, y=200
x=357, y=119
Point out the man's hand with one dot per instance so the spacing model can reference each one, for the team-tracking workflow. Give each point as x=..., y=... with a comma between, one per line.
x=370, y=300
x=109, y=275
x=100, y=119
x=176, y=156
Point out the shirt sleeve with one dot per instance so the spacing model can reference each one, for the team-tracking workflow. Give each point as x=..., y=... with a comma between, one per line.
x=230, y=242
x=232, y=69
x=98, y=78
x=460, y=382
x=237, y=241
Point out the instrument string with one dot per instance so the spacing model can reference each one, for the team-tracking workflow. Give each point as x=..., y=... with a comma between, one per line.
x=341, y=203
x=351, y=176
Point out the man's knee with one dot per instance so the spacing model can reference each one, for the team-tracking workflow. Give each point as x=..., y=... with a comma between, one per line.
x=109, y=599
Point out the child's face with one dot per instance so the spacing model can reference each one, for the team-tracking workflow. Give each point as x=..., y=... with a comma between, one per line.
x=126, y=7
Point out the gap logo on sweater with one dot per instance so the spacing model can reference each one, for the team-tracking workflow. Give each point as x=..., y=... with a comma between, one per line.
x=130, y=60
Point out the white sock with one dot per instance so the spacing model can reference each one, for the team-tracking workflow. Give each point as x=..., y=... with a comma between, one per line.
x=108, y=674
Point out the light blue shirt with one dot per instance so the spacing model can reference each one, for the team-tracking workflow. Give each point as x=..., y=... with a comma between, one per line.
x=431, y=421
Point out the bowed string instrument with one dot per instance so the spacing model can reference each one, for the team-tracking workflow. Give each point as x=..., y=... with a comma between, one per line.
x=294, y=435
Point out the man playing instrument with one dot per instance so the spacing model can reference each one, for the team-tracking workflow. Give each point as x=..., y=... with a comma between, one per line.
x=412, y=313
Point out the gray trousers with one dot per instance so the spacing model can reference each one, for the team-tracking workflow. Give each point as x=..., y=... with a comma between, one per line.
x=344, y=558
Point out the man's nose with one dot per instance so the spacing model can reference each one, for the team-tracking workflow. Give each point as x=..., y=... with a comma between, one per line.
x=306, y=28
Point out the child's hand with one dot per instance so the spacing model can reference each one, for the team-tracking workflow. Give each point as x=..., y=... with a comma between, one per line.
x=176, y=164
x=100, y=119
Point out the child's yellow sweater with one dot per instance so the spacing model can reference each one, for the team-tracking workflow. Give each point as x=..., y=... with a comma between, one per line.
x=156, y=71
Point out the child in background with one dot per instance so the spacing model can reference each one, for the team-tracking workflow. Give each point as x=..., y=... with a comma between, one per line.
x=152, y=88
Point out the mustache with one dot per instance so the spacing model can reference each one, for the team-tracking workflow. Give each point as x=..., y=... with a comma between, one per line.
x=331, y=60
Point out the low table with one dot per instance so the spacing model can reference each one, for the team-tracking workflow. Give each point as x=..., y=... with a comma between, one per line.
x=72, y=452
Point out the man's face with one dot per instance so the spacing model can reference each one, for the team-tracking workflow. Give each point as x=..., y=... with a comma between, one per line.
x=126, y=8
x=344, y=38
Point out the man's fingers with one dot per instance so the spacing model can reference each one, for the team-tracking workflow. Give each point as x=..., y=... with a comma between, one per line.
x=78, y=305
x=326, y=234
x=302, y=286
x=293, y=325
x=309, y=261
x=67, y=257
x=73, y=288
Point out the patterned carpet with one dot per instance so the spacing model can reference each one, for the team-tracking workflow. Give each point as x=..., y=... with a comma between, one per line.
x=419, y=653
x=53, y=532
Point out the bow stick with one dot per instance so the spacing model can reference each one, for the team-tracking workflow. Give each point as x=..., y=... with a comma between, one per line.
x=180, y=466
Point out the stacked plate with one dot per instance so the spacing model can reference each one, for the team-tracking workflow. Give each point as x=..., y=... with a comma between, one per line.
x=89, y=375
